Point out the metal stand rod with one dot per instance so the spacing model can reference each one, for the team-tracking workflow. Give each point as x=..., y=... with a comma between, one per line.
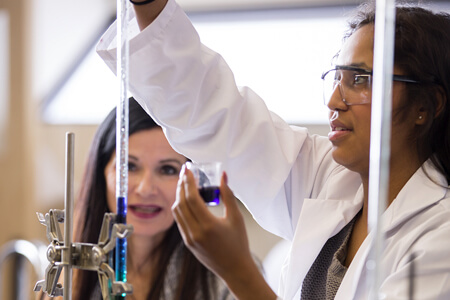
x=63, y=254
x=380, y=136
x=68, y=214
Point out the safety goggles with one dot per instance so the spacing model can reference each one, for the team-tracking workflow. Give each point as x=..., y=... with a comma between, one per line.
x=355, y=84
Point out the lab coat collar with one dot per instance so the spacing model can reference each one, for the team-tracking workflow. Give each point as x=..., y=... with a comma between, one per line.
x=418, y=193
x=310, y=236
x=413, y=199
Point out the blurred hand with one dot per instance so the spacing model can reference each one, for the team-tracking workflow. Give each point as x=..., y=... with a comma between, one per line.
x=220, y=243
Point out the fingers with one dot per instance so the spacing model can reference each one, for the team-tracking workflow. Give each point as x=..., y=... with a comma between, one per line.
x=228, y=198
x=184, y=214
x=178, y=215
x=186, y=193
x=189, y=210
x=194, y=201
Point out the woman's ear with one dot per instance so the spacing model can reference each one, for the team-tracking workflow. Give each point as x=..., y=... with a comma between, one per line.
x=421, y=116
x=441, y=100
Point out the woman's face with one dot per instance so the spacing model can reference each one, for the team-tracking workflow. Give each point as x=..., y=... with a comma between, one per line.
x=153, y=169
x=350, y=124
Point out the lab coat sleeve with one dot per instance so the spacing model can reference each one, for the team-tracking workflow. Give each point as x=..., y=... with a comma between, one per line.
x=191, y=92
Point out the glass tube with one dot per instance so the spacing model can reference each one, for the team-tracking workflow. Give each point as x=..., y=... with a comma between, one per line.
x=122, y=139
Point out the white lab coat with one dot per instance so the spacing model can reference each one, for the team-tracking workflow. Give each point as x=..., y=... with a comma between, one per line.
x=286, y=177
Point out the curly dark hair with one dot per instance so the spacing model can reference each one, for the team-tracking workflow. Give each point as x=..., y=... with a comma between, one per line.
x=422, y=41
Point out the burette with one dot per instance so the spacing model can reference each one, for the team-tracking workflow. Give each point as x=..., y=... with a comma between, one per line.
x=122, y=139
x=380, y=135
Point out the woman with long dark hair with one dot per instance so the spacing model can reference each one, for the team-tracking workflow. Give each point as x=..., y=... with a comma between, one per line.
x=159, y=266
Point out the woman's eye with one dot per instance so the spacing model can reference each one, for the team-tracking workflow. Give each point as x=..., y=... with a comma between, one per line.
x=360, y=79
x=132, y=167
x=169, y=170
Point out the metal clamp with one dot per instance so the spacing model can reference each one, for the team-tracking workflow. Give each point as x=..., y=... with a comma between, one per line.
x=85, y=256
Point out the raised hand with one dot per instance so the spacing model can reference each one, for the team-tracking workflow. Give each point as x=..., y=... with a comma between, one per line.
x=220, y=243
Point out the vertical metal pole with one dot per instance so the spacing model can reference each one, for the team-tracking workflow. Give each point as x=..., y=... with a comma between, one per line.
x=380, y=137
x=122, y=138
x=68, y=214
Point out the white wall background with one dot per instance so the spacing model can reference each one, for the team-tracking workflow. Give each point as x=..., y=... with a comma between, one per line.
x=281, y=54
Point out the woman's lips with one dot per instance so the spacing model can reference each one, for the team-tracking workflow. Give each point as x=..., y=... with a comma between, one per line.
x=144, y=211
x=337, y=132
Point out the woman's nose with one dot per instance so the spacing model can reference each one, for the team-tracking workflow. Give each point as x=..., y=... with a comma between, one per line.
x=146, y=185
x=336, y=101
